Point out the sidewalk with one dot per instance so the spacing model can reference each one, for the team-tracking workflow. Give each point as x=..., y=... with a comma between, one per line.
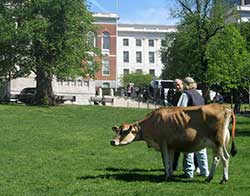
x=131, y=103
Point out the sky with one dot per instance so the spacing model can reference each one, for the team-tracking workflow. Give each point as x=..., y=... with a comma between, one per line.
x=137, y=11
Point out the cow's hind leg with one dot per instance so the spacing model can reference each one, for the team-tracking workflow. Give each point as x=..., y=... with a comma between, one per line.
x=225, y=160
x=216, y=160
x=223, y=151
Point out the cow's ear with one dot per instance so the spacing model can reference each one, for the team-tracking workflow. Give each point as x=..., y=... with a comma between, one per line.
x=115, y=128
x=134, y=130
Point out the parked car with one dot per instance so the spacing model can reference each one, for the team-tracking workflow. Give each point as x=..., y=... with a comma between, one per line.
x=27, y=95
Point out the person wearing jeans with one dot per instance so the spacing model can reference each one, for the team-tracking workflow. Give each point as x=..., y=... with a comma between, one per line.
x=190, y=97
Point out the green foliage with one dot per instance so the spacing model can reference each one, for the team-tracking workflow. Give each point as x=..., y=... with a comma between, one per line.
x=139, y=79
x=245, y=32
x=65, y=150
x=227, y=58
x=201, y=20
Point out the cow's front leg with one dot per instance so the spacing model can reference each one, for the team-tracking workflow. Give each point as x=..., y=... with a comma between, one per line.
x=165, y=160
x=171, y=159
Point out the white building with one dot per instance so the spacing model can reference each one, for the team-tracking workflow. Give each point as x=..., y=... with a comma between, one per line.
x=242, y=8
x=138, y=48
x=80, y=89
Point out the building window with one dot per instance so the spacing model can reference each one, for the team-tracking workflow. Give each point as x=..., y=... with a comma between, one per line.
x=106, y=85
x=105, y=67
x=79, y=82
x=106, y=40
x=152, y=72
x=59, y=82
x=138, y=57
x=151, y=57
x=73, y=83
x=125, y=56
x=163, y=43
x=125, y=42
x=138, y=71
x=151, y=42
x=138, y=42
x=66, y=82
x=247, y=2
x=92, y=38
x=86, y=83
x=125, y=72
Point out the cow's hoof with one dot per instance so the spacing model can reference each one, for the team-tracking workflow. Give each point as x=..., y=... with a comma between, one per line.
x=208, y=179
x=168, y=178
x=223, y=181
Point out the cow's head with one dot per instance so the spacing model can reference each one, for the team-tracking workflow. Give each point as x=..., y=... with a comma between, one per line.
x=125, y=134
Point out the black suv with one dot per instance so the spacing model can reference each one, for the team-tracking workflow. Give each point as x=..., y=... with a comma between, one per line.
x=27, y=95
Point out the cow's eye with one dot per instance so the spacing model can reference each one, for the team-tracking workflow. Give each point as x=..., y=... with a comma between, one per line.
x=125, y=132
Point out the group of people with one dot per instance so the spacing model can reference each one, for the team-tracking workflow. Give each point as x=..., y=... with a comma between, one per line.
x=187, y=95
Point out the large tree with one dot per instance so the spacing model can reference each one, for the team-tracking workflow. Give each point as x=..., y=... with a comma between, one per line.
x=200, y=21
x=49, y=39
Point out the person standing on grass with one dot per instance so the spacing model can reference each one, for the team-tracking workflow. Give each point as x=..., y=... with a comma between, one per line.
x=178, y=84
x=191, y=97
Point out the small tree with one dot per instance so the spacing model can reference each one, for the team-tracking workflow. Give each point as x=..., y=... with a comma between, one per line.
x=138, y=79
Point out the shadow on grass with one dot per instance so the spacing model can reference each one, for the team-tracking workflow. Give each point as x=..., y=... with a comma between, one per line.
x=113, y=169
x=132, y=176
x=242, y=133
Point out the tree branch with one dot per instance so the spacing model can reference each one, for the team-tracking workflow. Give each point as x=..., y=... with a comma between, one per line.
x=185, y=7
x=209, y=35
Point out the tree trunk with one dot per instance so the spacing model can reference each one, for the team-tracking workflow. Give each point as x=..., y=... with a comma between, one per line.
x=44, y=94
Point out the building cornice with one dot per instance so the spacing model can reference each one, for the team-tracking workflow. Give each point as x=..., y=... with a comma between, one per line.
x=146, y=28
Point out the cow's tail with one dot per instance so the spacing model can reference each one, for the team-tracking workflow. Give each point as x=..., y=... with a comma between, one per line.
x=233, y=150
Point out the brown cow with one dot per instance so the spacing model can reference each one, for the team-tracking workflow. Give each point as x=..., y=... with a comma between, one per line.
x=183, y=129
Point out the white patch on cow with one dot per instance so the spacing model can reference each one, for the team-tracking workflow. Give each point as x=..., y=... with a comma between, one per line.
x=127, y=139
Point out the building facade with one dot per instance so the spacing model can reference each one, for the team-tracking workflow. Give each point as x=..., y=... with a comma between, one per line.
x=239, y=2
x=139, y=48
x=107, y=42
x=129, y=48
x=243, y=9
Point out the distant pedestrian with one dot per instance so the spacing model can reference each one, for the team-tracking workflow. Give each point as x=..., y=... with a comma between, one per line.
x=130, y=90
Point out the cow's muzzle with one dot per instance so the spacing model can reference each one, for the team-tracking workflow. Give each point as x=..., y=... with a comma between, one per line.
x=113, y=143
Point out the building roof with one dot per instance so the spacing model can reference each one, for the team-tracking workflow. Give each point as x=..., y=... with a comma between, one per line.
x=146, y=28
x=105, y=15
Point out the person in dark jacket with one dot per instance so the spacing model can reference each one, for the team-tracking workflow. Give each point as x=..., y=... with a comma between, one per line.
x=191, y=97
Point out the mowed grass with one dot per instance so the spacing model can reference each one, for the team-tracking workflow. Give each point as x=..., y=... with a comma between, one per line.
x=65, y=150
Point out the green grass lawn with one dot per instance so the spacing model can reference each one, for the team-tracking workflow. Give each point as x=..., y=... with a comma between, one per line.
x=65, y=150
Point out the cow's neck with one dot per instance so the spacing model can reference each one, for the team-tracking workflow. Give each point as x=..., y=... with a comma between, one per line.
x=140, y=133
